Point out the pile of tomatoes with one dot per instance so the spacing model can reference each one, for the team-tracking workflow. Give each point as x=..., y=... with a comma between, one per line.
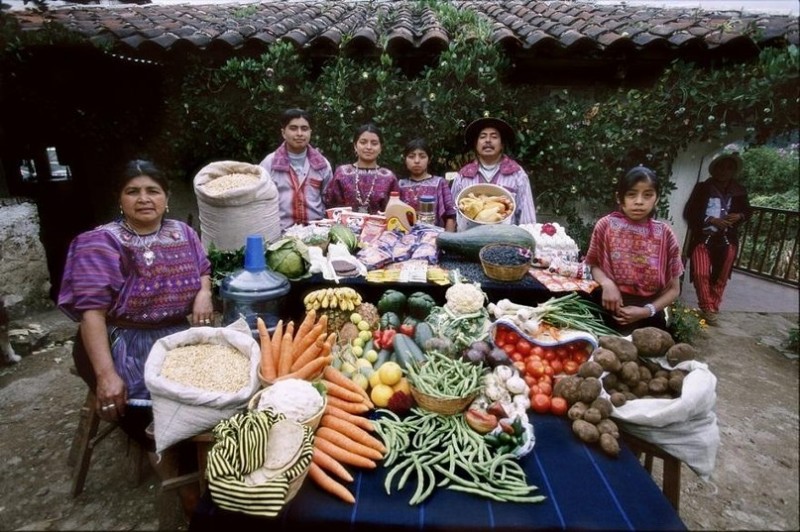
x=541, y=365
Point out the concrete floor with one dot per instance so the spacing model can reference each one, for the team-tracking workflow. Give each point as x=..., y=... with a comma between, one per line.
x=747, y=293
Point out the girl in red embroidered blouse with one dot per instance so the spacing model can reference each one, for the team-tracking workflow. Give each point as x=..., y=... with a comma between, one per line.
x=365, y=185
x=636, y=259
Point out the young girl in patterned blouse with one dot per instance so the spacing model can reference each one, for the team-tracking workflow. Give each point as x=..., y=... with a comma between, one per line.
x=364, y=185
x=420, y=183
x=636, y=259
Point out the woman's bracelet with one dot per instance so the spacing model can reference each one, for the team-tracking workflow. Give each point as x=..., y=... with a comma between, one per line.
x=651, y=308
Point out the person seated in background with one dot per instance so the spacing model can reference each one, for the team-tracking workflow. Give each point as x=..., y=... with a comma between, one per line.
x=420, y=182
x=129, y=283
x=299, y=170
x=364, y=185
x=636, y=259
x=489, y=139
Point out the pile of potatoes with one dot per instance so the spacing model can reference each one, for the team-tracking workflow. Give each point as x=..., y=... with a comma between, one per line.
x=627, y=374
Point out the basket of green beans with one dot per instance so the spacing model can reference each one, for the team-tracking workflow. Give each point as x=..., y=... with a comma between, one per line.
x=444, y=385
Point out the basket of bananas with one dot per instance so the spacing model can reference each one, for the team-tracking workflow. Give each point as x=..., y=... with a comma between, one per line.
x=484, y=204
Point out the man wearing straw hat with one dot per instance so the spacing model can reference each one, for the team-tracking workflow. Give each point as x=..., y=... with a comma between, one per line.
x=716, y=207
x=489, y=137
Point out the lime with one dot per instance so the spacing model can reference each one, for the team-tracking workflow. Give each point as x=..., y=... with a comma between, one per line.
x=356, y=318
x=365, y=335
x=363, y=363
x=360, y=380
x=358, y=342
x=358, y=350
x=371, y=355
x=363, y=325
x=347, y=368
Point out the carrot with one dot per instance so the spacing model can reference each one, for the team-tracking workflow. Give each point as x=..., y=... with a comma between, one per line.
x=346, y=442
x=324, y=460
x=310, y=370
x=337, y=377
x=344, y=456
x=301, y=344
x=311, y=352
x=347, y=406
x=329, y=484
x=353, y=432
x=341, y=392
x=285, y=362
x=267, y=364
x=306, y=325
x=359, y=421
x=277, y=338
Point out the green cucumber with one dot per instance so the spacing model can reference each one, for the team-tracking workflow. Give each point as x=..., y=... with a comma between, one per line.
x=468, y=243
x=406, y=349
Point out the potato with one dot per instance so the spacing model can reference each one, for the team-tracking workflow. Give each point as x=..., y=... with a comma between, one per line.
x=622, y=387
x=630, y=396
x=607, y=426
x=609, y=444
x=587, y=432
x=577, y=410
x=629, y=373
x=645, y=374
x=676, y=384
x=640, y=389
x=624, y=349
x=590, y=368
x=603, y=405
x=681, y=352
x=651, y=341
x=592, y=415
x=567, y=387
x=589, y=389
x=618, y=399
x=659, y=385
x=607, y=359
x=662, y=373
x=610, y=382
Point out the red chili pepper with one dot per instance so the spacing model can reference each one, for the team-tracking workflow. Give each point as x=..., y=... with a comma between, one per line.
x=376, y=339
x=407, y=329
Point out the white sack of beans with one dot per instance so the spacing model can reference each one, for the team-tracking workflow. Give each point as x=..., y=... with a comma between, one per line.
x=191, y=400
x=234, y=200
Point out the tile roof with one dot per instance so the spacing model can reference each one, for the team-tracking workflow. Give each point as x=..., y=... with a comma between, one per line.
x=526, y=28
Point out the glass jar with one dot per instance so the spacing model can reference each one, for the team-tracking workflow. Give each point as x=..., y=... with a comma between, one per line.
x=426, y=213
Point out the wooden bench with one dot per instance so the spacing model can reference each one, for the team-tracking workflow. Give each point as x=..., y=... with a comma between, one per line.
x=671, y=471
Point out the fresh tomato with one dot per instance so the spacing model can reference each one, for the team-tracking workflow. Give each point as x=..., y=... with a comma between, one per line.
x=512, y=337
x=509, y=348
x=548, y=370
x=520, y=365
x=570, y=367
x=516, y=357
x=545, y=388
x=580, y=358
x=540, y=403
x=546, y=378
x=558, y=406
x=534, y=368
x=557, y=366
x=562, y=352
x=550, y=354
x=523, y=346
x=537, y=350
x=530, y=380
x=534, y=390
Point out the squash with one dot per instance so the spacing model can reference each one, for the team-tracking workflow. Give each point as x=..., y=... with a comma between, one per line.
x=468, y=243
x=406, y=350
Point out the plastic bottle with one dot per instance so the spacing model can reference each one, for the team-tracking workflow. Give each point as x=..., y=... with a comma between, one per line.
x=399, y=214
x=255, y=291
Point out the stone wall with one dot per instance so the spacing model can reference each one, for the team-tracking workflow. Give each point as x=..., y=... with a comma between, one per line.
x=24, y=277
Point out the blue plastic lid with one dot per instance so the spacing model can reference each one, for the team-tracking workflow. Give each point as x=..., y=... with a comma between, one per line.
x=254, y=253
x=427, y=199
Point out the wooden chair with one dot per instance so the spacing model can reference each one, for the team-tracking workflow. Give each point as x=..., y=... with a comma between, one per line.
x=671, y=471
x=87, y=436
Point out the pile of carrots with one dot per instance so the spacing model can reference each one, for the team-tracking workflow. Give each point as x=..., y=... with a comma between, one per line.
x=344, y=436
x=298, y=355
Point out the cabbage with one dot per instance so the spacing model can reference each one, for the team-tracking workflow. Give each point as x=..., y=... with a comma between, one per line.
x=289, y=256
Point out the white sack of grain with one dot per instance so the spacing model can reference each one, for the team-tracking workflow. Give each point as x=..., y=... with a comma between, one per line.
x=234, y=200
x=181, y=410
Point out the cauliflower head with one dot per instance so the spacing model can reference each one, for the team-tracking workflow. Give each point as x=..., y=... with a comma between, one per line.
x=464, y=298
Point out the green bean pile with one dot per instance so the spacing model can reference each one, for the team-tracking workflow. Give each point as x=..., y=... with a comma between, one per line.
x=445, y=378
x=443, y=451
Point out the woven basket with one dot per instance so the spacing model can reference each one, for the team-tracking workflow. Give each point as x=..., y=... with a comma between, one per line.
x=500, y=272
x=447, y=407
x=312, y=422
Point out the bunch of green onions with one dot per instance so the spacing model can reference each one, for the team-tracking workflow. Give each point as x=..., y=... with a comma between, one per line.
x=567, y=312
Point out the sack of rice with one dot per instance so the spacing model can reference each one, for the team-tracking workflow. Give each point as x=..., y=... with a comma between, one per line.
x=198, y=377
x=236, y=199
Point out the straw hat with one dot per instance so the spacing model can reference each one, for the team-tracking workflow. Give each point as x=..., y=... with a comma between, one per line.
x=718, y=158
x=474, y=130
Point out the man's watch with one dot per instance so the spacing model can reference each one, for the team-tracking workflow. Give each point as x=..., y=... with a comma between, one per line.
x=651, y=308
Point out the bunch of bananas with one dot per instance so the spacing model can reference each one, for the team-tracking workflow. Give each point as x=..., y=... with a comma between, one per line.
x=342, y=297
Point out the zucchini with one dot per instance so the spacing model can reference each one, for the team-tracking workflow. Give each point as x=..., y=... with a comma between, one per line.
x=405, y=350
x=468, y=243
x=423, y=333
x=384, y=355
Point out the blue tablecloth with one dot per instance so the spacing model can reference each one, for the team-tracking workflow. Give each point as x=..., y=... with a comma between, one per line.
x=585, y=489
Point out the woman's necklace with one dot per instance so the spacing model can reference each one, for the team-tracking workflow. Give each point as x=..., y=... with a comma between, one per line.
x=148, y=255
x=364, y=202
